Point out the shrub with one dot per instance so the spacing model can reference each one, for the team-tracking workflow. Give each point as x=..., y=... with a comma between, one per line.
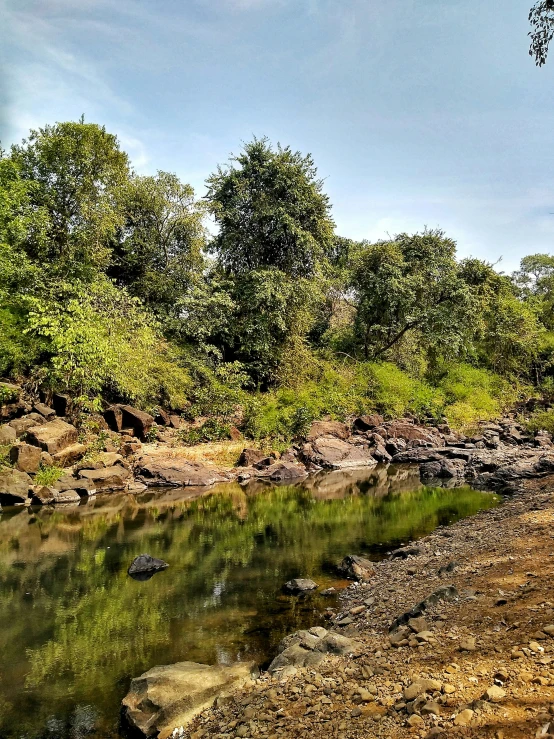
x=48, y=475
x=541, y=421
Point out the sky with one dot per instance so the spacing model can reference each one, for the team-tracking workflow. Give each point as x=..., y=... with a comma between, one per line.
x=417, y=112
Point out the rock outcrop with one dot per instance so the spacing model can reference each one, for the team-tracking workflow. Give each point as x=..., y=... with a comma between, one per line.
x=162, y=470
x=170, y=696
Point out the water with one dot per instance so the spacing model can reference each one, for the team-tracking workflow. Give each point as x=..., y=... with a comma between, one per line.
x=74, y=628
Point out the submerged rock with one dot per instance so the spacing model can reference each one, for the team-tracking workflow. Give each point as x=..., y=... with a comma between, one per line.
x=144, y=567
x=299, y=585
x=172, y=695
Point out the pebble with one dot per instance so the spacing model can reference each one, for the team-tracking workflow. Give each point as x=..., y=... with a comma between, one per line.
x=464, y=717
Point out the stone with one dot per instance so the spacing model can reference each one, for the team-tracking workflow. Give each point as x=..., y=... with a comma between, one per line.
x=431, y=707
x=405, y=552
x=139, y=421
x=282, y=471
x=66, y=496
x=467, y=644
x=367, y=423
x=328, y=428
x=43, y=495
x=114, y=418
x=14, y=487
x=415, y=720
x=421, y=686
x=144, y=564
x=70, y=455
x=418, y=625
x=108, y=478
x=464, y=717
x=46, y=460
x=410, y=432
x=22, y=425
x=166, y=470
x=172, y=695
x=549, y=629
x=250, y=457
x=68, y=482
x=7, y=435
x=494, y=694
x=356, y=568
x=333, y=453
x=44, y=410
x=299, y=585
x=25, y=458
x=54, y=436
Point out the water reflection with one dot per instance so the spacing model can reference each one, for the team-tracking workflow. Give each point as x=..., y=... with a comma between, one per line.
x=76, y=627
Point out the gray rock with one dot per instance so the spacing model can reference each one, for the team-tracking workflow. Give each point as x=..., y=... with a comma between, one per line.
x=145, y=564
x=107, y=479
x=172, y=695
x=14, y=487
x=357, y=568
x=160, y=470
x=299, y=585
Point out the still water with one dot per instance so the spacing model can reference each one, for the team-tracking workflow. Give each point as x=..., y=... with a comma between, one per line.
x=74, y=627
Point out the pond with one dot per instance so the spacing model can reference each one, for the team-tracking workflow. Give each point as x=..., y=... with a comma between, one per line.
x=75, y=627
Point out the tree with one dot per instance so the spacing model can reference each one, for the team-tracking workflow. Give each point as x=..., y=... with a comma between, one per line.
x=78, y=170
x=410, y=284
x=158, y=252
x=271, y=211
x=541, y=17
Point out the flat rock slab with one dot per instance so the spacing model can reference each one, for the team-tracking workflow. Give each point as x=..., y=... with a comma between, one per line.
x=299, y=585
x=176, y=471
x=281, y=472
x=172, y=695
x=107, y=478
x=54, y=436
x=333, y=453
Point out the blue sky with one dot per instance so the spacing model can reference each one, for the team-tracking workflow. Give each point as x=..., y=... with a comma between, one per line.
x=417, y=112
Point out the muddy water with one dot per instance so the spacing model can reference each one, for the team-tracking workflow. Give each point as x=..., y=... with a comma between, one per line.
x=74, y=628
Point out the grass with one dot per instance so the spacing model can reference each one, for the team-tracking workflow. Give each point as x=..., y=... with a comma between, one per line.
x=47, y=476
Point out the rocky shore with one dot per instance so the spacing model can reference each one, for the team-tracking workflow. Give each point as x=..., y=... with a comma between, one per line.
x=454, y=639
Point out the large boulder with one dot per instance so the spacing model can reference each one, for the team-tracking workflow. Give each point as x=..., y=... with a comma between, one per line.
x=328, y=428
x=308, y=648
x=357, y=568
x=367, y=423
x=44, y=410
x=250, y=457
x=25, y=457
x=22, y=425
x=107, y=479
x=119, y=417
x=334, y=453
x=70, y=455
x=14, y=487
x=7, y=435
x=281, y=471
x=53, y=436
x=162, y=470
x=411, y=432
x=170, y=696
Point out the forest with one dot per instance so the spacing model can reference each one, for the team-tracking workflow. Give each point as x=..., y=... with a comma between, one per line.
x=244, y=307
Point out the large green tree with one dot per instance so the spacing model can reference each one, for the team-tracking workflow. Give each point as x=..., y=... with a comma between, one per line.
x=158, y=252
x=271, y=211
x=410, y=284
x=78, y=172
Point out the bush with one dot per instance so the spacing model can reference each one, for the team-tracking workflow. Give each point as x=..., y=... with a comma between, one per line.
x=211, y=430
x=48, y=475
x=541, y=421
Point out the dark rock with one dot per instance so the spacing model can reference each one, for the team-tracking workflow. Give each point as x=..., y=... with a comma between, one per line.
x=68, y=482
x=108, y=478
x=139, y=421
x=357, y=568
x=446, y=592
x=299, y=585
x=250, y=457
x=282, y=471
x=380, y=454
x=14, y=487
x=447, y=569
x=395, y=446
x=367, y=423
x=162, y=417
x=263, y=463
x=144, y=566
x=114, y=417
x=411, y=432
x=43, y=495
x=405, y=552
x=25, y=458
x=54, y=436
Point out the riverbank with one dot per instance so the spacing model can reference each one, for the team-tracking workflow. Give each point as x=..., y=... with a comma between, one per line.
x=479, y=665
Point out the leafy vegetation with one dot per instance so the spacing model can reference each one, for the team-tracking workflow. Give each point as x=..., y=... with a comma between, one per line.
x=112, y=288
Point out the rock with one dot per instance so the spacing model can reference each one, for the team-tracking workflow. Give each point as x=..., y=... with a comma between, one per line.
x=405, y=552
x=415, y=720
x=171, y=695
x=7, y=435
x=70, y=455
x=250, y=457
x=114, y=418
x=66, y=496
x=14, y=487
x=46, y=460
x=356, y=568
x=328, y=428
x=366, y=423
x=44, y=410
x=380, y=454
x=299, y=585
x=410, y=432
x=467, y=645
x=144, y=566
x=61, y=404
x=161, y=470
x=417, y=625
x=282, y=471
x=421, y=686
x=395, y=446
x=299, y=650
x=139, y=421
x=25, y=458
x=68, y=482
x=333, y=453
x=108, y=478
x=22, y=425
x=464, y=717
x=494, y=694
x=175, y=421
x=54, y=436
x=43, y=495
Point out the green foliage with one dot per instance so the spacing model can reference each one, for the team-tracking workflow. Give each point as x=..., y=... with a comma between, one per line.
x=541, y=421
x=271, y=212
x=48, y=475
x=211, y=430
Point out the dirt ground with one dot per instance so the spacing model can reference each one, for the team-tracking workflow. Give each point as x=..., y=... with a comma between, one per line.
x=480, y=665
